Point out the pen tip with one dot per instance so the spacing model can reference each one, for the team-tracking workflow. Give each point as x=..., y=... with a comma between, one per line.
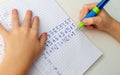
x=81, y=25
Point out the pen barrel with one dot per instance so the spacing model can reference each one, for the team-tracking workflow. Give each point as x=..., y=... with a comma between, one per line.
x=92, y=13
x=102, y=4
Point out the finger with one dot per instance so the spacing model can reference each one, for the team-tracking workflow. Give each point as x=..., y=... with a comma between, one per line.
x=35, y=24
x=3, y=31
x=89, y=6
x=93, y=21
x=15, y=19
x=90, y=26
x=86, y=9
x=28, y=18
x=83, y=13
x=43, y=39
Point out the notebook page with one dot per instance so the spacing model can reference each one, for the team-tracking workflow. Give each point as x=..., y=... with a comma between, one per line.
x=67, y=51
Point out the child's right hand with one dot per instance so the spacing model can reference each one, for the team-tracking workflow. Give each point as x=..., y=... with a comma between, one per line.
x=102, y=22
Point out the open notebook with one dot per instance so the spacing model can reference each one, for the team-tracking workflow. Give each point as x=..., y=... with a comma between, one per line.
x=67, y=51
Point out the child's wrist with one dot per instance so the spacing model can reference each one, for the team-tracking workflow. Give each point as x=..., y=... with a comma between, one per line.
x=14, y=68
x=112, y=26
x=114, y=30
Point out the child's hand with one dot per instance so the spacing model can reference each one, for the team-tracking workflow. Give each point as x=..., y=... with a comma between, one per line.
x=22, y=44
x=102, y=21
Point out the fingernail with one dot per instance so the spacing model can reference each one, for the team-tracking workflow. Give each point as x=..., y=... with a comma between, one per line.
x=84, y=21
x=14, y=10
x=29, y=10
x=81, y=16
x=45, y=34
x=36, y=17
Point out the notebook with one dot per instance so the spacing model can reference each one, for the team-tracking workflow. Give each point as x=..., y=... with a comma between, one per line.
x=67, y=51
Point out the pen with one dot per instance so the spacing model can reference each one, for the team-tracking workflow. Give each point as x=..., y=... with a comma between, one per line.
x=94, y=11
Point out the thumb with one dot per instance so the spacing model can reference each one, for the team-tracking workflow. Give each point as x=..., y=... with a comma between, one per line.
x=92, y=21
x=43, y=39
x=3, y=31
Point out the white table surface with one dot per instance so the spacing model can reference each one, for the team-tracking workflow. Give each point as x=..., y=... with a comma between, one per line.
x=109, y=64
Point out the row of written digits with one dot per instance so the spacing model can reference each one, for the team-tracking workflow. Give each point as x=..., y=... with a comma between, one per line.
x=59, y=36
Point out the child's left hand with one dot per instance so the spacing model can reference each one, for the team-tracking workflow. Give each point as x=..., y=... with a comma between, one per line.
x=22, y=44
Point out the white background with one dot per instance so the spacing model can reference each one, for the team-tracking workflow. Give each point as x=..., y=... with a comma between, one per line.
x=109, y=64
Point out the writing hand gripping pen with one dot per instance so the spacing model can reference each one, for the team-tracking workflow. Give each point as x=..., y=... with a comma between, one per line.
x=94, y=11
